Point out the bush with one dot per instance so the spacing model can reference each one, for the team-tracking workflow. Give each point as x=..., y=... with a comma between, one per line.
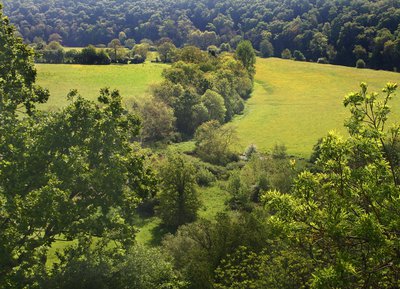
x=360, y=64
x=286, y=54
x=298, y=55
x=266, y=48
x=322, y=60
x=204, y=177
x=137, y=59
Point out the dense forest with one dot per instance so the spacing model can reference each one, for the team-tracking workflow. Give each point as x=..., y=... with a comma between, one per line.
x=335, y=31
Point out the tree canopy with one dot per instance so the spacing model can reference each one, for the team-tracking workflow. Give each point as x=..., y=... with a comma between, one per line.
x=330, y=29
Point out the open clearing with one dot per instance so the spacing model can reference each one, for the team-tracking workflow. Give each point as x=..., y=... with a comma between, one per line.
x=295, y=103
x=132, y=81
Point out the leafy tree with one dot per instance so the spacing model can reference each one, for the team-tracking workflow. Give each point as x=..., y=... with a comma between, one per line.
x=141, y=50
x=344, y=217
x=213, y=142
x=18, y=74
x=215, y=106
x=72, y=174
x=129, y=43
x=360, y=63
x=55, y=37
x=115, y=45
x=298, y=55
x=178, y=196
x=266, y=48
x=158, y=121
x=91, y=55
x=286, y=54
x=166, y=51
x=245, y=53
x=199, y=248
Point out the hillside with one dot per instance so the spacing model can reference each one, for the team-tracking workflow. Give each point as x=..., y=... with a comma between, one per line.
x=295, y=103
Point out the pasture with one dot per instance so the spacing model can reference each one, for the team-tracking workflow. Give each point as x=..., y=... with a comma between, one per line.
x=132, y=81
x=296, y=103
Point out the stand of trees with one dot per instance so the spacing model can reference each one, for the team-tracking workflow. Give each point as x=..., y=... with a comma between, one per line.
x=198, y=87
x=335, y=31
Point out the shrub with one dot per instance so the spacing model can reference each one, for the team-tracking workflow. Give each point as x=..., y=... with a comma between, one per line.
x=360, y=63
x=322, y=60
x=298, y=55
x=286, y=54
x=204, y=177
x=266, y=48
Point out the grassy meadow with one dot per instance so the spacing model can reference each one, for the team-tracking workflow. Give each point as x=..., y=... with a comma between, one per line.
x=295, y=103
x=132, y=81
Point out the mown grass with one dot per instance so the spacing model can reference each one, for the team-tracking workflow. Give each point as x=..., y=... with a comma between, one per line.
x=132, y=81
x=295, y=103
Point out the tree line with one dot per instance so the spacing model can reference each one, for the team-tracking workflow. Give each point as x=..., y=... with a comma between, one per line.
x=338, y=32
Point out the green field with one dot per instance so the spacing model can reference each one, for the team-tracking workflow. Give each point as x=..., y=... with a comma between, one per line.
x=295, y=103
x=133, y=81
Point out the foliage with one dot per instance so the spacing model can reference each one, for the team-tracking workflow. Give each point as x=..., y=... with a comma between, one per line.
x=246, y=55
x=18, y=75
x=200, y=87
x=336, y=29
x=199, y=248
x=102, y=267
x=360, y=63
x=343, y=217
x=298, y=55
x=260, y=173
x=158, y=121
x=68, y=174
x=266, y=48
x=286, y=54
x=178, y=196
x=213, y=142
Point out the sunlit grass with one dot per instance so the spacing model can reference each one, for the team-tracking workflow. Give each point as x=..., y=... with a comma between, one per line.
x=132, y=81
x=295, y=103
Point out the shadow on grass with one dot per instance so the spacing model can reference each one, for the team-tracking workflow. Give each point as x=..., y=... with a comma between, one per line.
x=158, y=233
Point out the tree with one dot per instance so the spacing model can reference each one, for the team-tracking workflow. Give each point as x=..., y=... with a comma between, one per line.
x=122, y=37
x=213, y=142
x=245, y=53
x=266, y=48
x=55, y=37
x=298, y=55
x=360, y=63
x=72, y=175
x=214, y=103
x=115, y=45
x=344, y=216
x=158, y=121
x=166, y=51
x=130, y=43
x=17, y=86
x=286, y=54
x=141, y=50
x=178, y=196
